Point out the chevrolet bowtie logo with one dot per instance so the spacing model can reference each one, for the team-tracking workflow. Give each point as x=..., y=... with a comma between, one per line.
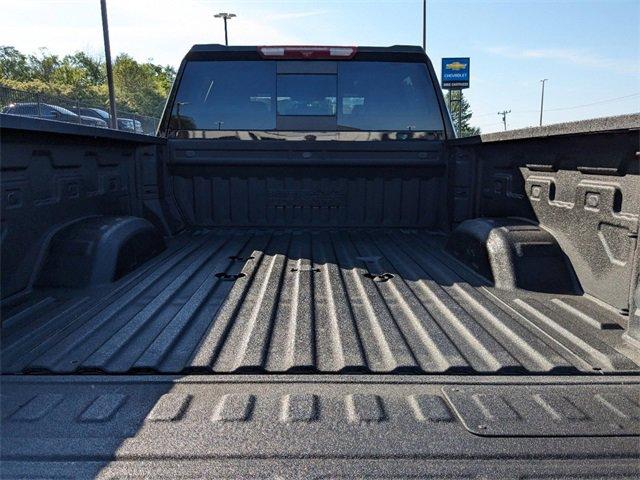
x=456, y=66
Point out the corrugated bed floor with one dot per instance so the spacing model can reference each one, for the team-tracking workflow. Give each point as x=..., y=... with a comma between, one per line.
x=375, y=301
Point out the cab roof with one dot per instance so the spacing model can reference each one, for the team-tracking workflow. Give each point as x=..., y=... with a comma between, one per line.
x=217, y=51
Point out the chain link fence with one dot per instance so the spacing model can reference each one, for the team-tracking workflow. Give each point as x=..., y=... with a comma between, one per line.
x=65, y=109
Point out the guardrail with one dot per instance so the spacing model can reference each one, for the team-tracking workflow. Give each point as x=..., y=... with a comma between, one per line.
x=65, y=109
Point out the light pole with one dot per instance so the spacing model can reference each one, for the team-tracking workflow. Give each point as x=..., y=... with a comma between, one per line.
x=178, y=105
x=543, y=81
x=225, y=17
x=107, y=58
x=424, y=25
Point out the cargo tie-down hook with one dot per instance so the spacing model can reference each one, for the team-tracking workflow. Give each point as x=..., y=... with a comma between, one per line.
x=229, y=276
x=382, y=277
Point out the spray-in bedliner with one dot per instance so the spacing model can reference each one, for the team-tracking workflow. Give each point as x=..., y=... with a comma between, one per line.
x=317, y=301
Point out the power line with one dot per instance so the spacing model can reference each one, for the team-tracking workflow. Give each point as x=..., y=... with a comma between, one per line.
x=566, y=108
x=594, y=103
x=483, y=115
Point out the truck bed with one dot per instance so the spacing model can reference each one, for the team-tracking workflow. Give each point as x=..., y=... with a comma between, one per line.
x=310, y=301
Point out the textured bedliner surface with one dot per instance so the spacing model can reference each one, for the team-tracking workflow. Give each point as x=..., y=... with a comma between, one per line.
x=322, y=301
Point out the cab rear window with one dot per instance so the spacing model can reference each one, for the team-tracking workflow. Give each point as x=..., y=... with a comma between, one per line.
x=322, y=96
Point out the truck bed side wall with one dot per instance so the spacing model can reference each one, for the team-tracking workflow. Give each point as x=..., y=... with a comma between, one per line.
x=54, y=174
x=584, y=188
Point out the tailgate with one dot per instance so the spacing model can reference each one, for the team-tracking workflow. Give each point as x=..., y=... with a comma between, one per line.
x=311, y=426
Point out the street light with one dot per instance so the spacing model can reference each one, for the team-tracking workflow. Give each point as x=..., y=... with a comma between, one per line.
x=543, y=81
x=225, y=17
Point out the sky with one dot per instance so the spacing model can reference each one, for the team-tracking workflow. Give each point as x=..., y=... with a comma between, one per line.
x=589, y=50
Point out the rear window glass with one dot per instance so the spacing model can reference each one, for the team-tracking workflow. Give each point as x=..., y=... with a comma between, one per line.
x=357, y=96
x=387, y=96
x=306, y=95
x=226, y=96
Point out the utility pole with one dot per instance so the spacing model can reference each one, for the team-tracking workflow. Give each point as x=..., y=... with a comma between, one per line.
x=542, y=99
x=225, y=17
x=107, y=58
x=504, y=117
x=424, y=25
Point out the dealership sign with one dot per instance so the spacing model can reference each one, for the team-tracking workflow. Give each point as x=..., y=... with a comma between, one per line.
x=455, y=73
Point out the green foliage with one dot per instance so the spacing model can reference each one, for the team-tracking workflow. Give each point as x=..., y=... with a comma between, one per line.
x=13, y=64
x=94, y=95
x=141, y=84
x=92, y=68
x=454, y=107
x=140, y=87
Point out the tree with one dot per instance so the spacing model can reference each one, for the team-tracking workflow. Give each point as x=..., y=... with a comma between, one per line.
x=13, y=64
x=43, y=65
x=454, y=106
x=93, y=67
x=141, y=88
